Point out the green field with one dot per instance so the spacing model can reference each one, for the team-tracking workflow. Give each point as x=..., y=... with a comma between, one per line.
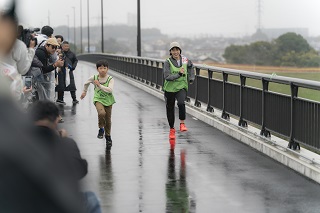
x=279, y=88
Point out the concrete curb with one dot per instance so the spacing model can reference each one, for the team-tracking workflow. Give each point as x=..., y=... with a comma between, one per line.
x=304, y=164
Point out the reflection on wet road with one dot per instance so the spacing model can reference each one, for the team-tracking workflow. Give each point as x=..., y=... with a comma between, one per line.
x=176, y=187
x=203, y=171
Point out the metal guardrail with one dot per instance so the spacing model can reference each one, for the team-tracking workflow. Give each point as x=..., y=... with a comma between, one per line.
x=295, y=119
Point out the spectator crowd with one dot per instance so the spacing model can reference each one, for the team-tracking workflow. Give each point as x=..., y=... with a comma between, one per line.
x=40, y=166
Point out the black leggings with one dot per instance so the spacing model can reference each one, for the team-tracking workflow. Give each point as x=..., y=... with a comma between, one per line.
x=170, y=98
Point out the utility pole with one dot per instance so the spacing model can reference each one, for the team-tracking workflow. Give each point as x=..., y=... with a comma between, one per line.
x=102, y=37
x=80, y=26
x=138, y=29
x=74, y=30
x=88, y=27
x=68, y=28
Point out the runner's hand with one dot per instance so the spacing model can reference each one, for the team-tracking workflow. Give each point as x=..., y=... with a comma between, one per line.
x=83, y=95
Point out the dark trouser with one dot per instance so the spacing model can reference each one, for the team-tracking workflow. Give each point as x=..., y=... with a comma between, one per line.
x=104, y=117
x=61, y=95
x=170, y=98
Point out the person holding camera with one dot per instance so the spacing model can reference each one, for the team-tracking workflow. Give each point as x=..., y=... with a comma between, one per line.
x=66, y=76
x=20, y=58
x=46, y=33
x=60, y=39
x=44, y=53
x=60, y=55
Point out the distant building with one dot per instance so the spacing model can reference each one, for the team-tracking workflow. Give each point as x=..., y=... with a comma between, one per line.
x=203, y=59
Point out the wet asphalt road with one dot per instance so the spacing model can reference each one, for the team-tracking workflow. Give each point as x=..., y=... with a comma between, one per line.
x=206, y=171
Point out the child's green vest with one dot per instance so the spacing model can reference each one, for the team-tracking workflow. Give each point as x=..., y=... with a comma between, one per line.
x=180, y=83
x=105, y=98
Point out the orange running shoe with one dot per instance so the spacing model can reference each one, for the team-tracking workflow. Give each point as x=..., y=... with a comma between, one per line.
x=183, y=127
x=172, y=134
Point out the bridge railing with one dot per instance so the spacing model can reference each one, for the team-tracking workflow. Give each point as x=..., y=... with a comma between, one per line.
x=289, y=116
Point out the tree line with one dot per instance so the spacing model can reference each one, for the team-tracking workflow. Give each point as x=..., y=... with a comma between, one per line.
x=289, y=49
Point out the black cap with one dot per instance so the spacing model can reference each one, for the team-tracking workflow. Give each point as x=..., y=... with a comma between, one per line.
x=47, y=30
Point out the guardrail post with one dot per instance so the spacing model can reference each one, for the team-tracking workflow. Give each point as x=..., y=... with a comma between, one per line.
x=242, y=122
x=292, y=143
x=265, y=88
x=118, y=64
x=122, y=67
x=138, y=69
x=152, y=83
x=224, y=114
x=127, y=69
x=162, y=77
x=209, y=107
x=144, y=78
x=148, y=73
x=196, y=102
x=131, y=68
x=156, y=73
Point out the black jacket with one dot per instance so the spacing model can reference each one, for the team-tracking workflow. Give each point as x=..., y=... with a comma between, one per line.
x=71, y=59
x=71, y=62
x=64, y=151
x=28, y=179
x=44, y=57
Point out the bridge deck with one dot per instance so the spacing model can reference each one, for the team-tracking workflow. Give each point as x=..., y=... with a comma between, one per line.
x=207, y=171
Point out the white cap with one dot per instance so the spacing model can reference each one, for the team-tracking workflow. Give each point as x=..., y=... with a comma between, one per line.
x=174, y=44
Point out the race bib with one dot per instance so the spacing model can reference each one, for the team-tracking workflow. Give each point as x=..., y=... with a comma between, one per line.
x=184, y=60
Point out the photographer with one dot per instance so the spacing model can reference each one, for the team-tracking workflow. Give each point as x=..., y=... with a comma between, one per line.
x=46, y=33
x=66, y=75
x=60, y=55
x=45, y=88
x=20, y=58
x=44, y=53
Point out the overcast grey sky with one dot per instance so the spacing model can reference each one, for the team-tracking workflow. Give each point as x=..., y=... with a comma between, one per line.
x=180, y=17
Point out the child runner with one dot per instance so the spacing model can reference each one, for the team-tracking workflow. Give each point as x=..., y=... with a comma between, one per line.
x=103, y=99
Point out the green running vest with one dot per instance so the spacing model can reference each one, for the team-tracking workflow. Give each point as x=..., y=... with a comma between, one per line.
x=105, y=98
x=180, y=83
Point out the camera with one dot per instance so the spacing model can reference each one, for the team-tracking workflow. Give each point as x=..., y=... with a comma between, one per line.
x=62, y=56
x=26, y=35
